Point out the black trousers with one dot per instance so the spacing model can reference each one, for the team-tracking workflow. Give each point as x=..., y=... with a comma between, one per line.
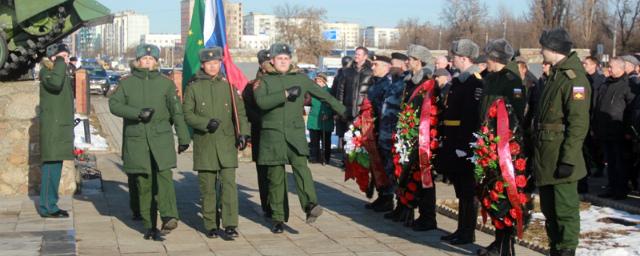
x=427, y=204
x=617, y=168
x=320, y=137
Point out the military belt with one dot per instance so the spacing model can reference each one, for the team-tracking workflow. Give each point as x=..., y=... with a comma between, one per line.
x=551, y=127
x=451, y=122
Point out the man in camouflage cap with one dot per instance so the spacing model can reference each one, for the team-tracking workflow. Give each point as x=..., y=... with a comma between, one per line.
x=149, y=107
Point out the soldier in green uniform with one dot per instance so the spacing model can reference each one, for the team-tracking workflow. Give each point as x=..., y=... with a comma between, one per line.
x=56, y=122
x=148, y=104
x=254, y=116
x=282, y=138
x=211, y=112
x=502, y=81
x=561, y=124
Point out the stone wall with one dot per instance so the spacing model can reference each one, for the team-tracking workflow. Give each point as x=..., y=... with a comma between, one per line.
x=19, y=142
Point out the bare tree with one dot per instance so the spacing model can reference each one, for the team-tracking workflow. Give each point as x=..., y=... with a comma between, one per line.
x=466, y=17
x=627, y=13
x=301, y=27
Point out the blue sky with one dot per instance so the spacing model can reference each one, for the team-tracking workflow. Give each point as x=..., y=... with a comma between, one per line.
x=164, y=15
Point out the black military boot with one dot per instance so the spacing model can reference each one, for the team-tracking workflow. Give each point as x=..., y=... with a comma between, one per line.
x=491, y=249
x=168, y=224
x=136, y=216
x=213, y=233
x=468, y=232
x=313, y=212
x=278, y=227
x=423, y=223
x=504, y=245
x=385, y=205
x=231, y=232
x=461, y=216
x=152, y=234
x=373, y=204
x=562, y=252
x=396, y=212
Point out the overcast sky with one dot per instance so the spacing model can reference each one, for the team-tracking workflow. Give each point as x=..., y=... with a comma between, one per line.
x=164, y=15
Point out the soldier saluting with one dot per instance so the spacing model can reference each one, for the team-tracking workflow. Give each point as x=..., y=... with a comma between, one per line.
x=209, y=108
x=148, y=104
x=282, y=138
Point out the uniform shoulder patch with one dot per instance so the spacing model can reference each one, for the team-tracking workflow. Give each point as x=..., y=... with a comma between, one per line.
x=477, y=75
x=517, y=93
x=578, y=93
x=570, y=74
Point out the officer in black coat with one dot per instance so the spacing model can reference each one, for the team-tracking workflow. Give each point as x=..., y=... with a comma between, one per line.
x=460, y=119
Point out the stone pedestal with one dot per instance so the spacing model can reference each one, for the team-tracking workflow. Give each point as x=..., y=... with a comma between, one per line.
x=19, y=142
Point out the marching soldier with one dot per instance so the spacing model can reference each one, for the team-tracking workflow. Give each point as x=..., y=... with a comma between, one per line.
x=148, y=104
x=213, y=114
x=282, y=139
x=502, y=81
x=56, y=115
x=562, y=122
x=459, y=122
x=255, y=118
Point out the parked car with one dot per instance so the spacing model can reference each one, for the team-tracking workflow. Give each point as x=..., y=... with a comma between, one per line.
x=98, y=81
x=113, y=78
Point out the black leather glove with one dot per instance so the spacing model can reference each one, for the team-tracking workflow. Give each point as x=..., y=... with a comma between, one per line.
x=76, y=121
x=242, y=141
x=213, y=125
x=182, y=148
x=563, y=171
x=293, y=93
x=145, y=115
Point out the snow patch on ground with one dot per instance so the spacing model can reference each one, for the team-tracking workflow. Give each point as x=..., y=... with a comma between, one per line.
x=602, y=234
x=98, y=143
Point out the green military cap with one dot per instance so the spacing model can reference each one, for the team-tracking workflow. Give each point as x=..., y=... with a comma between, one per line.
x=57, y=48
x=278, y=49
x=207, y=54
x=147, y=50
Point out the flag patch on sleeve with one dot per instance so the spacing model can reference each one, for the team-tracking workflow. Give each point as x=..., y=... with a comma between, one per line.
x=578, y=93
x=517, y=93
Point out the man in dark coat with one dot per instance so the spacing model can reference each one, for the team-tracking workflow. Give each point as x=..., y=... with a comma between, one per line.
x=56, y=122
x=611, y=121
x=351, y=88
x=460, y=119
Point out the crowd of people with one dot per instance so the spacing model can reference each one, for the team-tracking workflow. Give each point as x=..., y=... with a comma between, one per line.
x=479, y=119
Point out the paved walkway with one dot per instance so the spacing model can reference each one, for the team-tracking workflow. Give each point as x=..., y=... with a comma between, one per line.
x=101, y=222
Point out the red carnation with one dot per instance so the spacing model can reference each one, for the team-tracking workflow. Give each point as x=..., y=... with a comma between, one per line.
x=405, y=131
x=523, y=198
x=498, y=224
x=513, y=213
x=521, y=181
x=433, y=120
x=493, y=146
x=493, y=111
x=484, y=162
x=514, y=148
x=412, y=124
x=433, y=133
x=499, y=186
x=491, y=137
x=521, y=164
x=434, y=144
x=493, y=156
x=484, y=129
x=412, y=187
x=409, y=196
x=403, y=200
x=486, y=202
x=480, y=142
x=434, y=110
x=493, y=195
x=508, y=222
x=417, y=176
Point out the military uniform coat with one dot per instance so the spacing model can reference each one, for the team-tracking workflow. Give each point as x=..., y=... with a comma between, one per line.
x=148, y=89
x=562, y=122
x=207, y=98
x=55, y=112
x=282, y=122
x=318, y=111
x=505, y=84
x=459, y=120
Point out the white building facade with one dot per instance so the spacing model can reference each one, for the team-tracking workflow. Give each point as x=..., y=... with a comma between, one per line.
x=380, y=37
x=347, y=34
x=161, y=40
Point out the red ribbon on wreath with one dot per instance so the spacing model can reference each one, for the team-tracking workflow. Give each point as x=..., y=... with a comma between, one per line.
x=424, y=135
x=506, y=163
x=369, y=143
